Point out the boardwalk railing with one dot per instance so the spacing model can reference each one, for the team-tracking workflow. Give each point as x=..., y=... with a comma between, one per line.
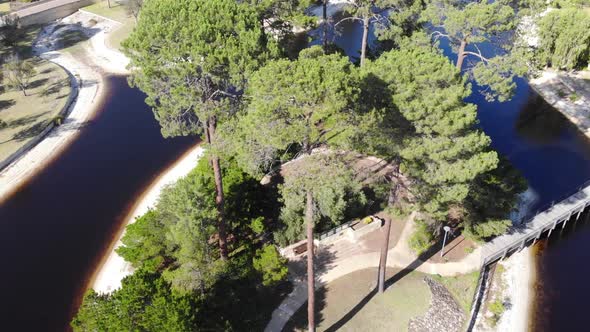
x=546, y=218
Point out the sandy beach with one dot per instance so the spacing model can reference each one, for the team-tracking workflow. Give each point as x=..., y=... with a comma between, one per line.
x=519, y=277
x=113, y=268
x=88, y=70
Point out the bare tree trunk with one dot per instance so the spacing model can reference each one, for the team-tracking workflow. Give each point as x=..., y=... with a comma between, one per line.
x=383, y=259
x=109, y=2
x=365, y=38
x=24, y=91
x=385, y=245
x=310, y=267
x=461, y=54
x=210, y=126
x=325, y=26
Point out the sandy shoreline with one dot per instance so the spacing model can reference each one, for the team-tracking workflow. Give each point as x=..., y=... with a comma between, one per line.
x=108, y=275
x=88, y=72
x=520, y=276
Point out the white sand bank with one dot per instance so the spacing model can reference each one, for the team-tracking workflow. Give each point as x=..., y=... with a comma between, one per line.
x=109, y=274
x=519, y=277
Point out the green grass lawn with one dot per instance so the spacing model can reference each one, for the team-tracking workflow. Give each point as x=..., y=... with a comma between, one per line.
x=27, y=116
x=4, y=6
x=347, y=305
x=116, y=12
x=462, y=287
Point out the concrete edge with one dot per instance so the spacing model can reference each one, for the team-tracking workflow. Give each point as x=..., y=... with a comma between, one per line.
x=65, y=111
x=99, y=16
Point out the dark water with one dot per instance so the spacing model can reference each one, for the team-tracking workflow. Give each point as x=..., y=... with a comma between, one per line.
x=554, y=157
x=55, y=229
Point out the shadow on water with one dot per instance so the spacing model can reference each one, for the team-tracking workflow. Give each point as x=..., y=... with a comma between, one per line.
x=57, y=227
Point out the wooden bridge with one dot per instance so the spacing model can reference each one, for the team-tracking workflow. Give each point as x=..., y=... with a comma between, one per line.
x=526, y=233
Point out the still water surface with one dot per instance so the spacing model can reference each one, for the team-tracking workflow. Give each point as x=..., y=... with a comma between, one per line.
x=56, y=228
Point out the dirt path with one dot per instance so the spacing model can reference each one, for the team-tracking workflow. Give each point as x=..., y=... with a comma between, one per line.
x=400, y=257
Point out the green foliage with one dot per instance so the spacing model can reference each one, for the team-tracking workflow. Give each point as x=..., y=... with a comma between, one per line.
x=191, y=56
x=564, y=36
x=269, y=262
x=144, y=242
x=334, y=189
x=11, y=31
x=445, y=153
x=257, y=225
x=472, y=23
x=301, y=104
x=175, y=237
x=497, y=308
x=493, y=196
x=145, y=302
x=422, y=238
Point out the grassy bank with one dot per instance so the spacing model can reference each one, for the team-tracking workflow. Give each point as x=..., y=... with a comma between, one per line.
x=24, y=117
x=117, y=13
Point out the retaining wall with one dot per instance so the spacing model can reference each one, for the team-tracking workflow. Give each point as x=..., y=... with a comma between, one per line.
x=46, y=12
x=63, y=114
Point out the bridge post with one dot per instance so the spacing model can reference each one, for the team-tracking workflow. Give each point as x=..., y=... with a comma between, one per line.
x=579, y=213
x=522, y=245
x=504, y=254
x=537, y=237
x=565, y=222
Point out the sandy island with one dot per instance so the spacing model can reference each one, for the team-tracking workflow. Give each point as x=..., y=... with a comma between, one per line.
x=88, y=71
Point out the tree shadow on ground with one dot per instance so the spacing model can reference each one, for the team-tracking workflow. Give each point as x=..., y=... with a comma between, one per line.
x=68, y=35
x=4, y=104
x=388, y=283
x=31, y=131
x=55, y=87
x=26, y=120
x=324, y=261
x=37, y=83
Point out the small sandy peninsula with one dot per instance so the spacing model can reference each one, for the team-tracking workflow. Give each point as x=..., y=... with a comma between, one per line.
x=88, y=67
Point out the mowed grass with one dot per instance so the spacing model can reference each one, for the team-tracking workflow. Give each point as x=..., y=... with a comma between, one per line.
x=27, y=116
x=117, y=13
x=348, y=304
x=462, y=287
x=4, y=6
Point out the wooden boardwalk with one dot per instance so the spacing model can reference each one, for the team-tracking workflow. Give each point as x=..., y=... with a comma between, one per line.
x=529, y=231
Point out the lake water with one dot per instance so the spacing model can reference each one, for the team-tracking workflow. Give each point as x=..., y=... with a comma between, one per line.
x=54, y=231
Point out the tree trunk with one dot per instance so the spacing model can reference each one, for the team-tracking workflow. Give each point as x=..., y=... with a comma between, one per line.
x=365, y=37
x=109, y=3
x=325, y=26
x=385, y=245
x=211, y=125
x=383, y=259
x=461, y=54
x=24, y=91
x=310, y=267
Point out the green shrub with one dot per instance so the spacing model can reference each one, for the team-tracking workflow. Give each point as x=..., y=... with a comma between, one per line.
x=271, y=264
x=422, y=238
x=257, y=225
x=3, y=124
x=497, y=308
x=574, y=97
